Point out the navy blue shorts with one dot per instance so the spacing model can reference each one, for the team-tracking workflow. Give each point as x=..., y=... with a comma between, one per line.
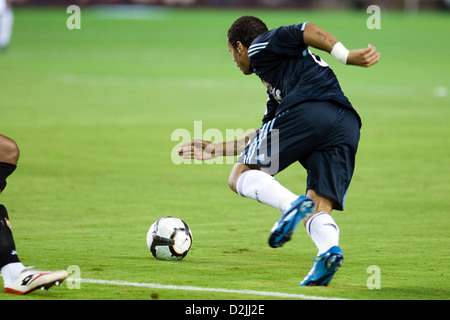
x=321, y=135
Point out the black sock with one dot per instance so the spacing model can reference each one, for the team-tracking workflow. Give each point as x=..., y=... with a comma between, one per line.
x=7, y=247
x=5, y=170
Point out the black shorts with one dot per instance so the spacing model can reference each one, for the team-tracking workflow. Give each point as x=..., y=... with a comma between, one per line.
x=321, y=135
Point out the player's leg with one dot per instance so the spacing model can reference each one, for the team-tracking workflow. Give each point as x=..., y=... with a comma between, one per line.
x=320, y=225
x=268, y=152
x=252, y=175
x=254, y=182
x=9, y=261
x=324, y=232
x=329, y=174
x=17, y=278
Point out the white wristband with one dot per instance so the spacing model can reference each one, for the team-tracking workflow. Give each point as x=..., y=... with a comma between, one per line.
x=340, y=52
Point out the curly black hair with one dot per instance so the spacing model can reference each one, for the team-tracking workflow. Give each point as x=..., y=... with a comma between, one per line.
x=245, y=29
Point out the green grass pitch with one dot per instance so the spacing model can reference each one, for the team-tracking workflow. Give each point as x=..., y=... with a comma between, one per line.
x=93, y=112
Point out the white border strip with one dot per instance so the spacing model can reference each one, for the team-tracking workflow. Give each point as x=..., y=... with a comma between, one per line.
x=190, y=288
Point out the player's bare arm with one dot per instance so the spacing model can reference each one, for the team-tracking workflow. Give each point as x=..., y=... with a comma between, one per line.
x=204, y=150
x=320, y=39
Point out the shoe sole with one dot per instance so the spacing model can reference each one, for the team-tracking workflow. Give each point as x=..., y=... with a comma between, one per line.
x=43, y=286
x=284, y=229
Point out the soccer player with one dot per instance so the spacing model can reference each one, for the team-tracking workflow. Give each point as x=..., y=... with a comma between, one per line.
x=17, y=278
x=6, y=23
x=307, y=119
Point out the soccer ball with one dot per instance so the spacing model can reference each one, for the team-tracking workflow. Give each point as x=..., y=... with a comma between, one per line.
x=169, y=238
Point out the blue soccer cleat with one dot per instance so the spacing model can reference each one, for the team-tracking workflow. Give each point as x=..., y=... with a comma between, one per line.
x=324, y=268
x=285, y=226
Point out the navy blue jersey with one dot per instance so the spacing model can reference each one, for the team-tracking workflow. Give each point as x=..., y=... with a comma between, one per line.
x=291, y=73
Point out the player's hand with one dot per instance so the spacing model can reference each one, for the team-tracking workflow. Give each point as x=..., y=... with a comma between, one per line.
x=197, y=149
x=363, y=57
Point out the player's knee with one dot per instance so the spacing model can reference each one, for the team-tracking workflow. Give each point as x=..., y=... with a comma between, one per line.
x=232, y=181
x=9, y=151
x=236, y=173
x=234, y=176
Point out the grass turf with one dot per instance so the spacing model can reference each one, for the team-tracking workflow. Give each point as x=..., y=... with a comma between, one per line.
x=93, y=111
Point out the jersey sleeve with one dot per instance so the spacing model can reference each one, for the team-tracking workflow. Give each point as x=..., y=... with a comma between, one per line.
x=288, y=41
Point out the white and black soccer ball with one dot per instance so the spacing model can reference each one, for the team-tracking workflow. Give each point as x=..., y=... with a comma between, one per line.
x=169, y=238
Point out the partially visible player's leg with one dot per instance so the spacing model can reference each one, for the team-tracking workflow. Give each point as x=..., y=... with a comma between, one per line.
x=9, y=261
x=17, y=278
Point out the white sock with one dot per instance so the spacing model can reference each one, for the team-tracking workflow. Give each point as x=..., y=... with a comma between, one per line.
x=323, y=231
x=264, y=188
x=6, y=24
x=11, y=271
